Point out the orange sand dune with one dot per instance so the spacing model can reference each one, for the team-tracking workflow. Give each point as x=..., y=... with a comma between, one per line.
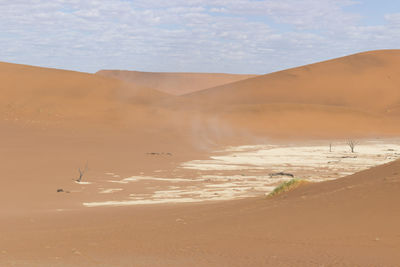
x=306, y=121
x=175, y=83
x=354, y=95
x=367, y=81
x=343, y=95
x=348, y=222
x=50, y=94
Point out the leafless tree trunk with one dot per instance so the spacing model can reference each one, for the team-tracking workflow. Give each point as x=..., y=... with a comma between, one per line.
x=330, y=147
x=81, y=173
x=352, y=144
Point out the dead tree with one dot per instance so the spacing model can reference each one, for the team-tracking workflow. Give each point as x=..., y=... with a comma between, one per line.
x=81, y=173
x=352, y=144
x=330, y=147
x=281, y=174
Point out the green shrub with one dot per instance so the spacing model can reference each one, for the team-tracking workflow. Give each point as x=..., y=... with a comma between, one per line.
x=287, y=186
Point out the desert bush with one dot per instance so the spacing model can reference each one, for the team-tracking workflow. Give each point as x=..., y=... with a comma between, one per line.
x=287, y=186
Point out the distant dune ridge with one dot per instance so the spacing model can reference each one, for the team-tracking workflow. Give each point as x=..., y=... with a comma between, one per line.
x=353, y=95
x=175, y=83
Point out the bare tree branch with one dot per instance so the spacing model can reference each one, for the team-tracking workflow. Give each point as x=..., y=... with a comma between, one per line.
x=82, y=172
x=352, y=144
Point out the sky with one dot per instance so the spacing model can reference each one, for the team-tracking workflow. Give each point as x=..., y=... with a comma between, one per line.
x=228, y=36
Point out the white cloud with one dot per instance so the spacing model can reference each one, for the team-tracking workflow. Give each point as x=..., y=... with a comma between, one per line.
x=253, y=36
x=393, y=19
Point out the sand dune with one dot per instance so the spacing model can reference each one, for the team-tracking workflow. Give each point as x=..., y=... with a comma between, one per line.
x=367, y=81
x=175, y=83
x=52, y=122
x=344, y=95
x=348, y=222
x=353, y=95
x=49, y=94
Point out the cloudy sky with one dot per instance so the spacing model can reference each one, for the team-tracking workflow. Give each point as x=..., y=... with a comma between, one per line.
x=234, y=36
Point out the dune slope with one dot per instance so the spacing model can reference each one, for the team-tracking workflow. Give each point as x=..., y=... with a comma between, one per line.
x=367, y=81
x=354, y=95
x=44, y=94
x=348, y=222
x=175, y=83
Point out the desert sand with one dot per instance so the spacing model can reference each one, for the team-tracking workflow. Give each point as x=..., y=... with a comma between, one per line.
x=175, y=83
x=195, y=167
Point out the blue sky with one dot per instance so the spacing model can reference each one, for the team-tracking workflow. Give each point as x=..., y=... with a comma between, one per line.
x=232, y=36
